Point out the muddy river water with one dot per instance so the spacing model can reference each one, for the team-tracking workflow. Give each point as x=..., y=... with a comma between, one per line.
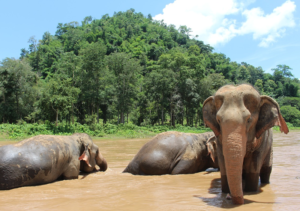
x=113, y=190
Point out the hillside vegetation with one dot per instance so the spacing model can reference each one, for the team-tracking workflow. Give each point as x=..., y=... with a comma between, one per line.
x=128, y=69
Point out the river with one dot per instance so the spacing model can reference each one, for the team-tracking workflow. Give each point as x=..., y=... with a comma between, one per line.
x=113, y=190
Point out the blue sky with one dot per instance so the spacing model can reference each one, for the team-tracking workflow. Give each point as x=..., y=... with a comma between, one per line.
x=262, y=33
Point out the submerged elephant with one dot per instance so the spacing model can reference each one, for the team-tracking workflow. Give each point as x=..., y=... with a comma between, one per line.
x=45, y=158
x=241, y=119
x=173, y=153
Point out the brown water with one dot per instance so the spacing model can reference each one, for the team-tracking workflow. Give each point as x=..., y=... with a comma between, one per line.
x=112, y=190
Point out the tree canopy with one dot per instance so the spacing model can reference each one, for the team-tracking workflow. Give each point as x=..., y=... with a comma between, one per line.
x=127, y=67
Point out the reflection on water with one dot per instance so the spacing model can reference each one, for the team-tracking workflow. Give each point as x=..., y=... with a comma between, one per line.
x=112, y=190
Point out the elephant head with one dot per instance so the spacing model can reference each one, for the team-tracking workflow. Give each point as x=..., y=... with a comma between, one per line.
x=239, y=115
x=90, y=154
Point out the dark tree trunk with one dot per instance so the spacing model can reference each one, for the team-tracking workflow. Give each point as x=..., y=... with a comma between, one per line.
x=162, y=116
x=141, y=117
x=171, y=121
x=17, y=99
x=173, y=118
x=182, y=119
x=72, y=113
x=6, y=107
x=122, y=117
x=187, y=115
x=197, y=118
x=56, y=121
x=97, y=107
x=104, y=113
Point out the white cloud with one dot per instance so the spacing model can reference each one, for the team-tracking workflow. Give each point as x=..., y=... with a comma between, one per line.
x=215, y=21
x=271, y=26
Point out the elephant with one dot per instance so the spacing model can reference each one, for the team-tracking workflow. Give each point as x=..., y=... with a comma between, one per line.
x=242, y=119
x=45, y=158
x=173, y=153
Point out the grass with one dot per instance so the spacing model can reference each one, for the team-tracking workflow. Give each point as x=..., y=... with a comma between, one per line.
x=25, y=130
x=290, y=126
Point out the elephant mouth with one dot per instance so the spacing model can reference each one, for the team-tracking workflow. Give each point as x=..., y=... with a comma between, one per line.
x=103, y=165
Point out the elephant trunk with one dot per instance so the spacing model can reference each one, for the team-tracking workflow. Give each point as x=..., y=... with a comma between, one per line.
x=234, y=149
x=101, y=162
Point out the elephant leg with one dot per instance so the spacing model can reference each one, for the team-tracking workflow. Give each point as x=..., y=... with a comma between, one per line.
x=265, y=174
x=185, y=167
x=266, y=169
x=71, y=172
x=252, y=166
x=221, y=162
x=251, y=182
x=224, y=184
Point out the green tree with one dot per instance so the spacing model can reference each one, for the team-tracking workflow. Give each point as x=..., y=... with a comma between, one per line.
x=126, y=71
x=284, y=69
x=243, y=74
x=17, y=83
x=93, y=65
x=59, y=95
x=292, y=101
x=259, y=85
x=255, y=73
x=270, y=87
x=161, y=88
x=291, y=114
x=69, y=66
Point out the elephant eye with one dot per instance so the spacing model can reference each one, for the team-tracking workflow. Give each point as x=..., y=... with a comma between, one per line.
x=249, y=120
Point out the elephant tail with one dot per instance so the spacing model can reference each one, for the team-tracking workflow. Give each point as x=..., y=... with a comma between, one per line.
x=126, y=170
x=132, y=168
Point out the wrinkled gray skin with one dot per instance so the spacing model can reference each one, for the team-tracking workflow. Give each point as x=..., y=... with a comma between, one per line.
x=45, y=158
x=173, y=153
x=241, y=119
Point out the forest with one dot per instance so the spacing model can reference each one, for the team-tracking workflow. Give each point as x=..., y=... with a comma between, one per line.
x=127, y=69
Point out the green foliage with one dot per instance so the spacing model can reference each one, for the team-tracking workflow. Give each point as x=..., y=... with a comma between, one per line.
x=259, y=85
x=292, y=101
x=24, y=130
x=17, y=89
x=58, y=95
x=125, y=68
x=291, y=114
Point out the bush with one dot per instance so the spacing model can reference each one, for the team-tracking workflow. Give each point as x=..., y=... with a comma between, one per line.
x=23, y=129
x=291, y=114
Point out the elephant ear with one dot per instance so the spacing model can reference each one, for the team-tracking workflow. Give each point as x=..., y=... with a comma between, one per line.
x=209, y=115
x=212, y=147
x=86, y=155
x=269, y=116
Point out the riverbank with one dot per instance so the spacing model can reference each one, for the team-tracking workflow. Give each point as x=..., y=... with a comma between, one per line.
x=99, y=131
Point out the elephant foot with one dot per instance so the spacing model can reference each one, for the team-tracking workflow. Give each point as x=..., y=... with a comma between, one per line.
x=251, y=182
x=265, y=173
x=237, y=200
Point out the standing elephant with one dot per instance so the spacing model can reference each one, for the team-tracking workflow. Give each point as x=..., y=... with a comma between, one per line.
x=45, y=158
x=241, y=119
x=173, y=153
